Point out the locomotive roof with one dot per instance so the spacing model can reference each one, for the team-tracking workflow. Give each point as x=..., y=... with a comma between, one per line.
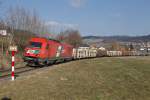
x=46, y=38
x=54, y=40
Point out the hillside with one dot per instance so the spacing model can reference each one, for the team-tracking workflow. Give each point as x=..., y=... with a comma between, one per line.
x=90, y=79
x=118, y=38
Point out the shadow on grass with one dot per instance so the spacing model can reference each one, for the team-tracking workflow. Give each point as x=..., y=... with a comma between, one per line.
x=6, y=98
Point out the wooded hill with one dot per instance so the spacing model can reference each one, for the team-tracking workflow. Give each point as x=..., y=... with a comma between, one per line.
x=144, y=38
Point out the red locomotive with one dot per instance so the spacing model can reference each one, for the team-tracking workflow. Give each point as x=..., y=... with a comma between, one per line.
x=42, y=51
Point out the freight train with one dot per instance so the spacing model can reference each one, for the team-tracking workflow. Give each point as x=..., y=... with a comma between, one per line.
x=42, y=51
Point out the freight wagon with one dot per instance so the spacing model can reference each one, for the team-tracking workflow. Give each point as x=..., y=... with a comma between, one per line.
x=114, y=53
x=122, y=53
x=84, y=52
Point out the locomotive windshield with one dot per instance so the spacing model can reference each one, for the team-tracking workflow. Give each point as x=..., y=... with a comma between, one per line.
x=35, y=44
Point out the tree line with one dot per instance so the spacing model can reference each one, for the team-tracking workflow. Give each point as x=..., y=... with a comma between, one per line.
x=20, y=21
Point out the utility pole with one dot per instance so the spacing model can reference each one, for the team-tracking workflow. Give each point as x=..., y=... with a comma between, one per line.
x=2, y=54
x=3, y=35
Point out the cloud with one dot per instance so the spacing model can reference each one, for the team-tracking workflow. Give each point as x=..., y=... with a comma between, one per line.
x=58, y=24
x=53, y=23
x=77, y=3
x=57, y=27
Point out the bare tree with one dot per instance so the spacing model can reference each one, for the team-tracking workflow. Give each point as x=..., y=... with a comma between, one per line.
x=22, y=19
x=115, y=46
x=72, y=37
x=61, y=36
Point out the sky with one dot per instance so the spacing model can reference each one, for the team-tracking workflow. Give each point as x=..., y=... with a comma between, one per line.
x=91, y=17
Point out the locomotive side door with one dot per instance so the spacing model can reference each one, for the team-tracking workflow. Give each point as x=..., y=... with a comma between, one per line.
x=58, y=52
x=48, y=50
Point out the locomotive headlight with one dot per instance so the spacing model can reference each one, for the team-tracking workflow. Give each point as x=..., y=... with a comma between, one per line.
x=33, y=51
x=36, y=51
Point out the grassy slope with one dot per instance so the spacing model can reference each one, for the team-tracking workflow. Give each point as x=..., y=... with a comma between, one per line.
x=94, y=79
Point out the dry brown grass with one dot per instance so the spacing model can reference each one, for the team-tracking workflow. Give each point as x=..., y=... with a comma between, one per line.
x=90, y=79
x=5, y=61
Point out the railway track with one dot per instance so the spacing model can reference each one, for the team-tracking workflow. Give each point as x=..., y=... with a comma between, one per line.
x=5, y=74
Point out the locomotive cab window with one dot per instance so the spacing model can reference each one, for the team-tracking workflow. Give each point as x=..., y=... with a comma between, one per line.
x=35, y=44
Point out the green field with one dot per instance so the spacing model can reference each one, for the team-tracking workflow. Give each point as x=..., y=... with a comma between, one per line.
x=90, y=79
